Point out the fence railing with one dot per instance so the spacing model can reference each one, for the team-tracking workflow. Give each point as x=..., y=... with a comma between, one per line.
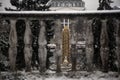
x=89, y=20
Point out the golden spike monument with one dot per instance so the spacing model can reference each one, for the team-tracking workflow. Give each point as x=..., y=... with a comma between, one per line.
x=66, y=44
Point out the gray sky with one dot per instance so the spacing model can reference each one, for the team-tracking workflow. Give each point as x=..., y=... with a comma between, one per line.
x=89, y=4
x=93, y=4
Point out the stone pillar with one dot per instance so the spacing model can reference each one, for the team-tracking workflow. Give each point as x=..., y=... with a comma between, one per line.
x=73, y=48
x=13, y=45
x=73, y=56
x=0, y=48
x=28, y=46
x=104, y=50
x=118, y=43
x=89, y=45
x=58, y=57
x=58, y=42
x=42, y=52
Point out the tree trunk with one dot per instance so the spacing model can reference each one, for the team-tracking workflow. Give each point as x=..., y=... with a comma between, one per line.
x=42, y=52
x=13, y=45
x=28, y=47
x=89, y=45
x=118, y=44
x=104, y=50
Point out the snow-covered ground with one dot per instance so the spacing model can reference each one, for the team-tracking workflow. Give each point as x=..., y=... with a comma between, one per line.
x=50, y=75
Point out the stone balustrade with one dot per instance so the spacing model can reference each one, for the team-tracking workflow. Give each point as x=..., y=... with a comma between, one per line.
x=88, y=16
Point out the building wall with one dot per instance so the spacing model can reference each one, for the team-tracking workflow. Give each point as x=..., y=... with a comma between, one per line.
x=61, y=5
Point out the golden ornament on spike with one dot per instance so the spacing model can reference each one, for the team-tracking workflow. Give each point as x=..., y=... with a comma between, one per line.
x=66, y=44
x=66, y=65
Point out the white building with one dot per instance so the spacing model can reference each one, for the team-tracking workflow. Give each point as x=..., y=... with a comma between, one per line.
x=67, y=5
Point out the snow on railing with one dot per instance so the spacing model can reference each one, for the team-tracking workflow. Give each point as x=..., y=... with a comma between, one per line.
x=60, y=12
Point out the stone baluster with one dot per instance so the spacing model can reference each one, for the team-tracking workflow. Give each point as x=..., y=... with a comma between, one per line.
x=89, y=45
x=28, y=46
x=73, y=56
x=0, y=47
x=73, y=49
x=104, y=50
x=13, y=45
x=58, y=42
x=118, y=43
x=58, y=56
x=42, y=52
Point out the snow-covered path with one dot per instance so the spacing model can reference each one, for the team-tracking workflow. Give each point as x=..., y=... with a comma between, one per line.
x=79, y=75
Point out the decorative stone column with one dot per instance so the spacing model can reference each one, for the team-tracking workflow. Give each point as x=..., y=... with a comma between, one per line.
x=13, y=45
x=104, y=50
x=58, y=42
x=118, y=43
x=58, y=57
x=0, y=47
x=28, y=46
x=73, y=48
x=89, y=45
x=73, y=56
x=42, y=52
